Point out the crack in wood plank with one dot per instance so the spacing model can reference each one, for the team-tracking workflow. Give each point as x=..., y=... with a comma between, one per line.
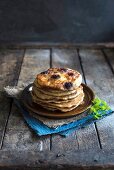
x=18, y=134
x=81, y=64
x=11, y=103
x=100, y=77
x=5, y=126
x=11, y=61
x=108, y=60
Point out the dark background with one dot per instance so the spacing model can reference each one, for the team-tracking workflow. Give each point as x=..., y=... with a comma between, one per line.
x=74, y=21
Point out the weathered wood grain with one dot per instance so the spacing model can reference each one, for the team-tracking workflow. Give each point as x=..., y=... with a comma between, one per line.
x=85, y=160
x=79, y=139
x=99, y=77
x=24, y=139
x=81, y=149
x=35, y=61
x=37, y=45
x=10, y=64
x=109, y=55
x=87, y=138
x=18, y=135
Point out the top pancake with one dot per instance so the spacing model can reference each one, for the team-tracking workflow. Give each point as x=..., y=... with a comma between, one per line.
x=64, y=79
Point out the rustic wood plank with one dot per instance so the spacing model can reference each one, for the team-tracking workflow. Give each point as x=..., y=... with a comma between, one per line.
x=86, y=160
x=81, y=138
x=109, y=55
x=25, y=140
x=87, y=138
x=99, y=77
x=35, y=61
x=37, y=45
x=18, y=135
x=10, y=64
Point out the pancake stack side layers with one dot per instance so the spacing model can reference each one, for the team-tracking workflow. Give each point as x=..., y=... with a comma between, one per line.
x=58, y=89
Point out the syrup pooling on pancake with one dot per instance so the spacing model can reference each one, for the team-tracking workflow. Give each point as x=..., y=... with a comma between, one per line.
x=59, y=78
x=58, y=89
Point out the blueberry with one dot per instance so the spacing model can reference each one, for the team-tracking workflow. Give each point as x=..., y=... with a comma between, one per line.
x=55, y=76
x=63, y=69
x=70, y=74
x=44, y=72
x=68, y=85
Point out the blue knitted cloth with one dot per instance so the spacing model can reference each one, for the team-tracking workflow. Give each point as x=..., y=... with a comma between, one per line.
x=64, y=130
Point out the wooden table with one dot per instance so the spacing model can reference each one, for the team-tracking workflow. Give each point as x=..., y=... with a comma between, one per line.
x=88, y=148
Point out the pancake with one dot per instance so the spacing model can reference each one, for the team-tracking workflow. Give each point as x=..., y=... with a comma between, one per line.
x=58, y=89
x=50, y=97
x=53, y=92
x=59, y=79
x=67, y=104
x=64, y=109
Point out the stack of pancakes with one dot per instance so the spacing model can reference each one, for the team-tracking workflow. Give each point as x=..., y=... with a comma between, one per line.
x=58, y=89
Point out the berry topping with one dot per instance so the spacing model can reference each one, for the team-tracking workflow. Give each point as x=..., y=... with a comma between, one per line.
x=70, y=74
x=68, y=85
x=55, y=76
x=63, y=69
x=44, y=72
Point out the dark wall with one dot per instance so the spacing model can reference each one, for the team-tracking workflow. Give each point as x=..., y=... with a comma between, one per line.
x=57, y=20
